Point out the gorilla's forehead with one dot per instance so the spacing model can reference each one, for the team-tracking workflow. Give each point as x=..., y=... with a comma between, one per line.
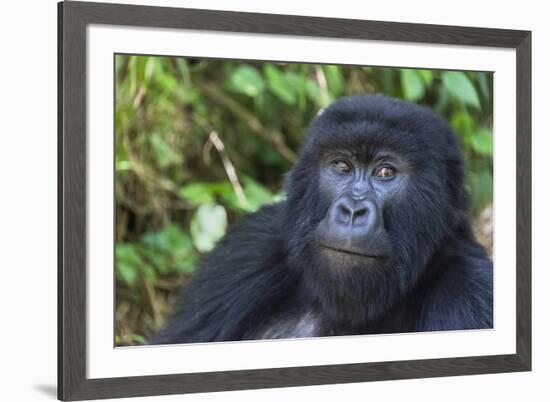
x=367, y=141
x=369, y=125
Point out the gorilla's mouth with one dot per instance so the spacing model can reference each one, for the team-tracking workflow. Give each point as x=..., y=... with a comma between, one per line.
x=352, y=252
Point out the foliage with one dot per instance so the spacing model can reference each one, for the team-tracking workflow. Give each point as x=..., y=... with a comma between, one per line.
x=200, y=143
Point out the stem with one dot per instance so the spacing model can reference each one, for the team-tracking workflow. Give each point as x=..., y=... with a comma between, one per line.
x=228, y=166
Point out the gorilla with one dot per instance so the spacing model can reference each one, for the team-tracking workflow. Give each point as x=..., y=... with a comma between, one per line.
x=373, y=237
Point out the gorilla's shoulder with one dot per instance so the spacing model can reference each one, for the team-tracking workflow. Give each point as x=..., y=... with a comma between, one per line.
x=267, y=219
x=251, y=247
x=237, y=280
x=259, y=230
x=461, y=297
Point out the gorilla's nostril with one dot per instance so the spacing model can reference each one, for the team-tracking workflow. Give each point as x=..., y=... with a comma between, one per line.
x=344, y=210
x=344, y=214
x=360, y=217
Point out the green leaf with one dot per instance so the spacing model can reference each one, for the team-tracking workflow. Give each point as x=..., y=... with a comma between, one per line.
x=256, y=194
x=279, y=85
x=169, y=250
x=280, y=196
x=314, y=92
x=164, y=154
x=190, y=95
x=176, y=238
x=138, y=338
x=140, y=66
x=188, y=263
x=197, y=193
x=246, y=80
x=464, y=125
x=335, y=80
x=128, y=262
x=157, y=258
x=183, y=68
x=171, y=239
x=152, y=66
x=387, y=80
x=296, y=80
x=427, y=76
x=461, y=88
x=480, y=184
x=230, y=199
x=483, y=80
x=167, y=82
x=123, y=165
x=149, y=273
x=482, y=142
x=208, y=225
x=412, y=85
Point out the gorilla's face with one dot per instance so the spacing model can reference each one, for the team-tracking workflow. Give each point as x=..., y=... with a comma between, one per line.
x=378, y=187
x=357, y=189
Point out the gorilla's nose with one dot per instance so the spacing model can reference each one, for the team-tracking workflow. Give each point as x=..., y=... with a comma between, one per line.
x=354, y=213
x=351, y=212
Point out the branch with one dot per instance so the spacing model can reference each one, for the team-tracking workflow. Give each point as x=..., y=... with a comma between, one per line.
x=228, y=166
x=276, y=139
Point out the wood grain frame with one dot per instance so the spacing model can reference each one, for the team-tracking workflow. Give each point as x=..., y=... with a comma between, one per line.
x=73, y=18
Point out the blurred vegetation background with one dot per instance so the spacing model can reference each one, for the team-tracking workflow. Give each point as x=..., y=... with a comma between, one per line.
x=200, y=143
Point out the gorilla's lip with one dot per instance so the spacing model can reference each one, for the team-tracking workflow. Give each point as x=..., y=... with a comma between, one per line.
x=352, y=252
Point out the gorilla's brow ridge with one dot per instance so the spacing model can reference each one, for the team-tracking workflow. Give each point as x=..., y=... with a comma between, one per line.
x=365, y=153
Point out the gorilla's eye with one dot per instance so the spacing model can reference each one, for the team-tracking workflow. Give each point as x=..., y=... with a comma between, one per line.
x=385, y=172
x=342, y=166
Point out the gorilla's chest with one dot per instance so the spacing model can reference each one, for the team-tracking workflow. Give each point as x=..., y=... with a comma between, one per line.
x=305, y=325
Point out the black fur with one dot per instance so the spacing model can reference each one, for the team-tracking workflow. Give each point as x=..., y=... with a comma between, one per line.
x=268, y=279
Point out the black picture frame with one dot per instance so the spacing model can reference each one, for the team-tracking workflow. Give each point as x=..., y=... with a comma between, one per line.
x=73, y=18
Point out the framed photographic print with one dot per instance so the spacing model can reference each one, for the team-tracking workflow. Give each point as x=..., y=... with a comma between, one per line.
x=255, y=201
